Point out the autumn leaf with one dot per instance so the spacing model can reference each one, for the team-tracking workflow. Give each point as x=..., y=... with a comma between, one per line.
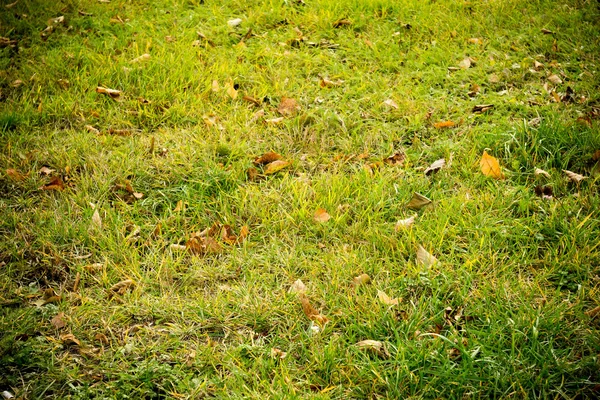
x=179, y=207
x=56, y=183
x=541, y=172
x=593, y=313
x=311, y=312
x=278, y=354
x=555, y=79
x=326, y=83
x=288, y=107
x=418, y=201
x=96, y=219
x=387, y=300
x=276, y=166
x=253, y=175
x=443, y=124
x=69, y=339
x=231, y=90
x=46, y=171
x=436, y=166
x=274, y=121
x=112, y=93
x=122, y=287
x=142, y=58
x=573, y=176
x=481, y=108
x=234, y=22
x=424, y=257
x=298, y=287
x=58, y=321
x=370, y=345
x=252, y=100
x=395, y=159
x=361, y=279
x=15, y=175
x=404, y=223
x=341, y=22
x=91, y=129
x=321, y=215
x=477, y=41
x=391, y=103
x=267, y=158
x=466, y=63
x=490, y=166
x=202, y=245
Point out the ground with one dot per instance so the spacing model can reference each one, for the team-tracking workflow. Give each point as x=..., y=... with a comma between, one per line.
x=216, y=199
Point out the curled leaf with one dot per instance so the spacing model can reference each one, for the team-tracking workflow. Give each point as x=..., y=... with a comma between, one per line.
x=370, y=345
x=538, y=172
x=312, y=312
x=56, y=183
x=278, y=354
x=122, y=287
x=391, y=103
x=574, y=176
x=443, y=124
x=112, y=93
x=436, y=166
x=288, y=107
x=58, y=321
x=143, y=57
x=395, y=159
x=70, y=340
x=267, y=158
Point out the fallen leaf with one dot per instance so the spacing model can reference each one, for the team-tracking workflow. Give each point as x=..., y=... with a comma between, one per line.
x=215, y=85
x=278, y=354
x=267, y=158
x=5, y=393
x=15, y=175
x=180, y=206
x=16, y=83
x=477, y=41
x=573, y=176
x=545, y=192
x=555, y=79
x=538, y=65
x=276, y=166
x=481, y=108
x=119, y=132
x=298, y=287
x=443, y=124
x=326, y=83
x=391, y=103
x=178, y=247
x=361, y=279
x=596, y=155
x=96, y=220
x=122, y=287
x=274, y=120
x=46, y=171
x=387, y=300
x=288, y=106
x=311, y=312
x=547, y=31
x=370, y=345
x=69, y=339
x=56, y=183
x=465, y=63
x=418, y=201
x=253, y=175
x=404, y=223
x=112, y=93
x=143, y=57
x=202, y=245
x=490, y=166
x=321, y=215
x=593, y=313
x=231, y=90
x=436, y=166
x=101, y=337
x=252, y=100
x=58, y=321
x=341, y=22
x=395, y=159
x=541, y=172
x=11, y=5
x=425, y=258
x=234, y=22
x=91, y=129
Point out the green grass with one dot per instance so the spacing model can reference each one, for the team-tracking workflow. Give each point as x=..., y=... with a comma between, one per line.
x=505, y=313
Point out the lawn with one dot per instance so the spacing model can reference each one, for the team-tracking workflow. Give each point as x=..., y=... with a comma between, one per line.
x=300, y=199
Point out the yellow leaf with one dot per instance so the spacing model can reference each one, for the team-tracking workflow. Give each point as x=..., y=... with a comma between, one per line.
x=370, y=344
x=490, y=166
x=385, y=299
x=425, y=258
x=362, y=279
x=276, y=166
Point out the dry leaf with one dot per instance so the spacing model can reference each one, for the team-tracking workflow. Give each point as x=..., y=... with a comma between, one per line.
x=16, y=83
x=253, y=175
x=424, y=257
x=537, y=65
x=91, y=129
x=112, y=93
x=180, y=206
x=101, y=337
x=201, y=245
x=267, y=158
x=370, y=345
x=387, y=300
x=539, y=172
x=143, y=57
x=443, y=124
x=418, y=201
x=341, y=22
x=311, y=312
x=395, y=159
x=276, y=166
x=465, y=63
x=15, y=175
x=56, y=183
x=234, y=22
x=593, y=313
x=119, y=132
x=490, y=166
x=288, y=106
x=547, y=31
x=475, y=41
x=215, y=85
x=404, y=223
x=555, y=79
x=436, y=166
x=321, y=215
x=59, y=321
x=46, y=171
x=298, y=287
x=69, y=339
x=96, y=220
x=361, y=279
x=278, y=354
x=251, y=100
x=481, y=108
x=274, y=120
x=326, y=83
x=391, y=103
x=573, y=176
x=121, y=287
x=231, y=90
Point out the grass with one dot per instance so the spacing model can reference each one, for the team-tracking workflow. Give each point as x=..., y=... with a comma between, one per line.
x=507, y=312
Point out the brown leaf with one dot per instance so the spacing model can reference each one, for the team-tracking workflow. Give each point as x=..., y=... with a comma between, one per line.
x=555, y=79
x=58, y=321
x=326, y=83
x=180, y=206
x=395, y=159
x=311, y=312
x=56, y=183
x=101, y=337
x=361, y=279
x=342, y=22
x=91, y=129
x=69, y=339
x=142, y=58
x=251, y=100
x=122, y=287
x=573, y=176
x=202, y=245
x=404, y=223
x=596, y=155
x=321, y=215
x=443, y=124
x=387, y=300
x=490, y=166
x=288, y=107
x=593, y=313
x=267, y=158
x=418, y=201
x=112, y=93
x=424, y=257
x=15, y=175
x=481, y=108
x=119, y=132
x=276, y=166
x=436, y=166
x=253, y=175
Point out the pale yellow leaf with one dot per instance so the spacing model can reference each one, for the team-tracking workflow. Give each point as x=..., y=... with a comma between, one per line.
x=425, y=258
x=298, y=287
x=370, y=345
x=96, y=219
x=541, y=172
x=436, y=166
x=387, y=300
x=404, y=223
